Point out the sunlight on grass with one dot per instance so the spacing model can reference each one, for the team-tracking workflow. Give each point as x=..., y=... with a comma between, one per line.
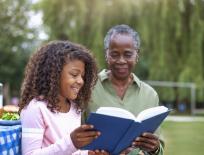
x=183, y=138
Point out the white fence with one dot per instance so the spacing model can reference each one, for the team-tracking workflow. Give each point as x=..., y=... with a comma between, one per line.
x=191, y=86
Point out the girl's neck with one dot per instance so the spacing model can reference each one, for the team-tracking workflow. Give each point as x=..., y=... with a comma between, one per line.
x=64, y=105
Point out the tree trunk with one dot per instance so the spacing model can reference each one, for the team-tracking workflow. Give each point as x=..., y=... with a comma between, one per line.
x=6, y=94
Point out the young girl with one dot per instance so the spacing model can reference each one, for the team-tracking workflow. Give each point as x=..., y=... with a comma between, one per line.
x=57, y=86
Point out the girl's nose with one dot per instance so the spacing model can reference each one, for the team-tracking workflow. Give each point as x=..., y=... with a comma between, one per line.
x=80, y=80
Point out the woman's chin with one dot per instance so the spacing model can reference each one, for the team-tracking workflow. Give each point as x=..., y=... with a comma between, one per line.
x=122, y=75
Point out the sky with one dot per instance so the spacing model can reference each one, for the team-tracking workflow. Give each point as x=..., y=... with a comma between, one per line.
x=35, y=21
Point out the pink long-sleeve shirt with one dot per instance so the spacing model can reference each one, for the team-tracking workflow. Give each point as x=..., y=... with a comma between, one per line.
x=48, y=133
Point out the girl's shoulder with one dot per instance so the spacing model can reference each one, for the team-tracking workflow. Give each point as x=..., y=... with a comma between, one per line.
x=32, y=115
x=34, y=103
x=35, y=106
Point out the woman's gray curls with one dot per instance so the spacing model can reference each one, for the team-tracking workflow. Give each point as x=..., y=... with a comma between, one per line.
x=122, y=29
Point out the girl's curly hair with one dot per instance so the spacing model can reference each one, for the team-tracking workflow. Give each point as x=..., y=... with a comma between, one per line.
x=42, y=74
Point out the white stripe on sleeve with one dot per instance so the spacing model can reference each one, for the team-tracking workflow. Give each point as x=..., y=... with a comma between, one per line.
x=32, y=132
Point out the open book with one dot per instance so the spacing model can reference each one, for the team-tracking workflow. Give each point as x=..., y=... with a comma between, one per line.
x=119, y=127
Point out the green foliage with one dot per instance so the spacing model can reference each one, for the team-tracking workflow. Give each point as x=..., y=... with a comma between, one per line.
x=15, y=39
x=84, y=21
x=172, y=34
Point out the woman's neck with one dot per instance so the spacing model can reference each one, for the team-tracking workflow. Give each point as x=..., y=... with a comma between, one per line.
x=120, y=82
x=120, y=85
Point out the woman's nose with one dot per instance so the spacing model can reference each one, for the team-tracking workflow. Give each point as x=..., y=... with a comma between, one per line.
x=121, y=59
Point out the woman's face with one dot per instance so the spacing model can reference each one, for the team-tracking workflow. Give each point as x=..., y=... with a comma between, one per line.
x=121, y=56
x=71, y=79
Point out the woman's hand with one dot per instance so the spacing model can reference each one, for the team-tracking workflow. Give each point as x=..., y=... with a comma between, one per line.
x=97, y=152
x=127, y=150
x=147, y=142
x=83, y=135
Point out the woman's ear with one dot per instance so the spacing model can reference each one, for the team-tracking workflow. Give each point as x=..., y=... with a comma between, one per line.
x=106, y=55
x=137, y=56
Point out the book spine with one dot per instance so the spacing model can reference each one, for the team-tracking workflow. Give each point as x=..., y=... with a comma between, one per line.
x=133, y=131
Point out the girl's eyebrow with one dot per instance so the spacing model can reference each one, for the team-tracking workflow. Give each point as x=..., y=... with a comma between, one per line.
x=78, y=70
x=75, y=69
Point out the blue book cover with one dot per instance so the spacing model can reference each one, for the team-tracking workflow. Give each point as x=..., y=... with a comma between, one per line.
x=118, y=132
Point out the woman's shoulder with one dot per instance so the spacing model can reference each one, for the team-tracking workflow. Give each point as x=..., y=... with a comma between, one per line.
x=144, y=86
x=148, y=91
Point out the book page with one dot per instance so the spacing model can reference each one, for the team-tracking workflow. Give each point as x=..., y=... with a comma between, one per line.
x=151, y=112
x=117, y=112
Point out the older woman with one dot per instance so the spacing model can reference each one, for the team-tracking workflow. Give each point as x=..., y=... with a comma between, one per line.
x=119, y=87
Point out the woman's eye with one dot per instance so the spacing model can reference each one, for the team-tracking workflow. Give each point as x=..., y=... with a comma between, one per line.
x=128, y=55
x=115, y=55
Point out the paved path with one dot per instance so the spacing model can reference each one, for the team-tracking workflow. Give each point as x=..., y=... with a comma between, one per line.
x=185, y=118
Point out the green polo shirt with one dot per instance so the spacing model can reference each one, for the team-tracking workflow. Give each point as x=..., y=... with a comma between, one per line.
x=138, y=97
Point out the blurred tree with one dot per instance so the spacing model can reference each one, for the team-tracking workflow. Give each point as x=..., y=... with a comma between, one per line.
x=84, y=21
x=172, y=33
x=173, y=39
x=16, y=42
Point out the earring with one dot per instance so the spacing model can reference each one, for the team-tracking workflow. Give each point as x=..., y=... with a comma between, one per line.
x=137, y=59
x=106, y=57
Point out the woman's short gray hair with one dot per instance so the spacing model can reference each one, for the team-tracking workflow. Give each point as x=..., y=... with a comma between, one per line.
x=122, y=29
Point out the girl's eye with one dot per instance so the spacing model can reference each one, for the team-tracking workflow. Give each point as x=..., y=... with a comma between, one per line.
x=74, y=75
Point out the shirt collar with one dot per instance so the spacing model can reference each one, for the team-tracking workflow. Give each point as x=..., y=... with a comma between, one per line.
x=103, y=75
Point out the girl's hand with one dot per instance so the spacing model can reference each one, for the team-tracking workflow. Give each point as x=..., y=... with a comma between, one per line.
x=83, y=135
x=97, y=152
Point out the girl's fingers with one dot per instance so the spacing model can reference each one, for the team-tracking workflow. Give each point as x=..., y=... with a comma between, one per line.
x=88, y=134
x=84, y=127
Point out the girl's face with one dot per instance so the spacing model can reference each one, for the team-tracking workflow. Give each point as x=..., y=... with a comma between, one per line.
x=71, y=79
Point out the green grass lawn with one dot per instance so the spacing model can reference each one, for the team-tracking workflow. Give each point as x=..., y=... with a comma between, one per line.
x=183, y=138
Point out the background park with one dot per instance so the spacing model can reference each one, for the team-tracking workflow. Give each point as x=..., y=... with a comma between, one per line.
x=171, y=58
